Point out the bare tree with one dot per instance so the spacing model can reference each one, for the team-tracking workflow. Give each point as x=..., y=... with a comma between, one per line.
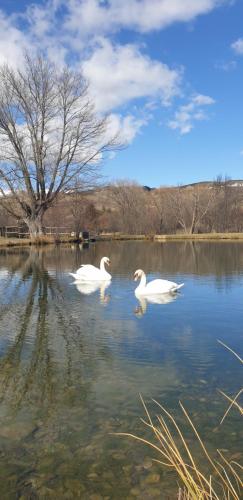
x=165, y=221
x=50, y=137
x=5, y=220
x=133, y=207
x=227, y=208
x=83, y=213
x=191, y=206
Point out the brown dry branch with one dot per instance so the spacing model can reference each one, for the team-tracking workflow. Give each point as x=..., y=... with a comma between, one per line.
x=50, y=138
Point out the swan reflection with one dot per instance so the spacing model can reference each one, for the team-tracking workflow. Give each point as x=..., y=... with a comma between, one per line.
x=164, y=298
x=89, y=287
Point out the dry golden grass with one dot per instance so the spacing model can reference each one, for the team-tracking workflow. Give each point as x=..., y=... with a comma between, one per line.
x=122, y=236
x=171, y=237
x=10, y=242
x=233, y=401
x=223, y=480
x=41, y=240
x=198, y=237
x=7, y=242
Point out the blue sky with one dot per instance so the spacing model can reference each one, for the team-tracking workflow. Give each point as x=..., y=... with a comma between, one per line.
x=169, y=72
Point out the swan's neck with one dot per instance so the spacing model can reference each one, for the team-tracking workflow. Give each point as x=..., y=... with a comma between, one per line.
x=142, y=283
x=102, y=264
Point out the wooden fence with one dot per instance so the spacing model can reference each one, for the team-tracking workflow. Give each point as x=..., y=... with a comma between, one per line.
x=14, y=232
x=23, y=232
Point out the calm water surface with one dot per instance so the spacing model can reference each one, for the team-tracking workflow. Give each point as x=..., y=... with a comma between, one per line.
x=72, y=365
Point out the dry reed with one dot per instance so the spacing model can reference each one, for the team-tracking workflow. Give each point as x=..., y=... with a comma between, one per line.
x=233, y=401
x=222, y=480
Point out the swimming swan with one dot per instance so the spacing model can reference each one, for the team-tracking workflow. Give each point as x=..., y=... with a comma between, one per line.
x=155, y=286
x=87, y=272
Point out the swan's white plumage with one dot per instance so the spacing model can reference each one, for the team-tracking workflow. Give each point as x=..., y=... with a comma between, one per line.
x=157, y=286
x=88, y=272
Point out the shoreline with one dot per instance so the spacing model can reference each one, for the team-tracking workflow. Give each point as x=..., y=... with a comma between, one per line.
x=46, y=240
x=171, y=237
x=199, y=237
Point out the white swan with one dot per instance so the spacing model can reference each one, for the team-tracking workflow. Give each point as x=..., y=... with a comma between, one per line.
x=87, y=272
x=155, y=286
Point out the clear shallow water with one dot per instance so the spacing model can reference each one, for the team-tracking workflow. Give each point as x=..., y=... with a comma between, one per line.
x=72, y=365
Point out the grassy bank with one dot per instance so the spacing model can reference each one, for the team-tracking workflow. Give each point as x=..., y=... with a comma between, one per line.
x=122, y=236
x=46, y=240
x=199, y=237
x=171, y=237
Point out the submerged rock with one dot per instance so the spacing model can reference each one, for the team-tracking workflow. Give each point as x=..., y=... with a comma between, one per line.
x=152, y=478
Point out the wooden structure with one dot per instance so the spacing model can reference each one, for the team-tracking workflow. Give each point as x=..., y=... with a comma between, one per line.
x=22, y=231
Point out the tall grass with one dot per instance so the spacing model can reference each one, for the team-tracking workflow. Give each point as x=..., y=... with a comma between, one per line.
x=37, y=241
x=233, y=401
x=223, y=479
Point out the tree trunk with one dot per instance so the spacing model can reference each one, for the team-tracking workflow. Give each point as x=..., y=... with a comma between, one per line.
x=192, y=228
x=35, y=225
x=193, y=223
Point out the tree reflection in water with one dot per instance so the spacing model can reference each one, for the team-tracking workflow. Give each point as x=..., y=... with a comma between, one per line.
x=45, y=378
x=28, y=370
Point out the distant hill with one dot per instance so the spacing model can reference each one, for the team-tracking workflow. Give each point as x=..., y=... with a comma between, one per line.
x=230, y=182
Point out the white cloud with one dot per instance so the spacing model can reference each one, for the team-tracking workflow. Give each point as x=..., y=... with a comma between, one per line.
x=89, y=16
x=118, y=74
x=238, y=46
x=40, y=18
x=187, y=114
x=202, y=100
x=121, y=73
x=77, y=32
x=12, y=41
x=127, y=126
x=226, y=65
x=38, y=33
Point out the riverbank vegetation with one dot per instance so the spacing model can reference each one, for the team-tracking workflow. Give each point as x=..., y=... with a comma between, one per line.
x=125, y=209
x=38, y=241
x=211, y=477
x=213, y=207
x=205, y=475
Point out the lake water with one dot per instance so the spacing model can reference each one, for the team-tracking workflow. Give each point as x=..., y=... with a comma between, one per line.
x=72, y=365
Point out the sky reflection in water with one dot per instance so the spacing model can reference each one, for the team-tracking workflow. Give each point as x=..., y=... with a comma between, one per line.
x=74, y=359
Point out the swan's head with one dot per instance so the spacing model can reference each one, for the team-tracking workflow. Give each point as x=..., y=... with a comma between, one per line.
x=138, y=274
x=106, y=260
